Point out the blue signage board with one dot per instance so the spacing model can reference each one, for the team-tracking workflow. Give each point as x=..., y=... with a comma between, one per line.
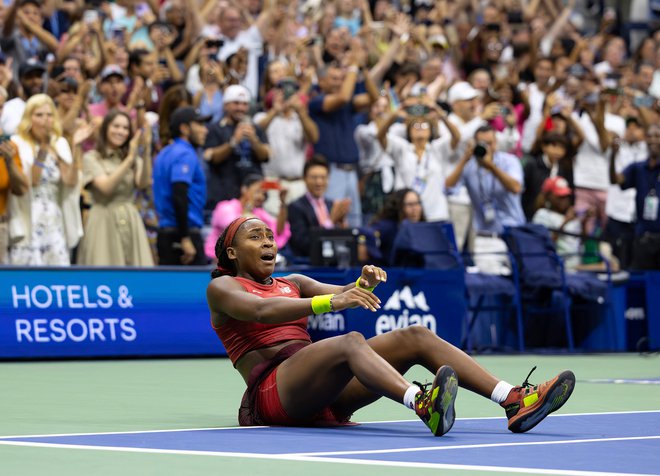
x=95, y=312
x=434, y=299
x=91, y=312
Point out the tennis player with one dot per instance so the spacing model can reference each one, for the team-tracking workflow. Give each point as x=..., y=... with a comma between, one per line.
x=262, y=323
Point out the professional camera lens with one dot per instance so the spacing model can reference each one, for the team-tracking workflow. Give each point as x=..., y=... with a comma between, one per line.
x=480, y=150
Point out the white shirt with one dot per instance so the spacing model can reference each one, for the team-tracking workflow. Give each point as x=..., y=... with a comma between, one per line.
x=426, y=175
x=591, y=168
x=286, y=140
x=372, y=156
x=11, y=115
x=620, y=204
x=536, y=100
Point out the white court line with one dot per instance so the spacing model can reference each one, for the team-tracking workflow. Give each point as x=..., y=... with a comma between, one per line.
x=132, y=432
x=481, y=445
x=315, y=459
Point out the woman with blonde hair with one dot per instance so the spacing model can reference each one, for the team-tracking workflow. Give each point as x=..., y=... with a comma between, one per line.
x=45, y=223
x=114, y=233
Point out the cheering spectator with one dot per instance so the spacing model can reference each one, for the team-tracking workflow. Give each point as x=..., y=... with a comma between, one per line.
x=235, y=147
x=48, y=216
x=644, y=177
x=23, y=36
x=290, y=131
x=332, y=110
x=553, y=161
x=31, y=82
x=114, y=231
x=620, y=204
x=421, y=158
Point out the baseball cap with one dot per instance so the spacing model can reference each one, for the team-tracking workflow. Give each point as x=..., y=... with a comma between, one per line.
x=558, y=186
x=186, y=115
x=461, y=91
x=236, y=93
x=112, y=70
x=30, y=66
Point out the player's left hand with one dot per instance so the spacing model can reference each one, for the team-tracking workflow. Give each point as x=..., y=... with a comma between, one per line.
x=372, y=276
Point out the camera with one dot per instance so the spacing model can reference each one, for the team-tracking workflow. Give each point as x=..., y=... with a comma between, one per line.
x=480, y=150
x=214, y=43
x=289, y=87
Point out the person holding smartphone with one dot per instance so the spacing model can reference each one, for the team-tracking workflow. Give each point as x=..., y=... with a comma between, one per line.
x=250, y=204
x=290, y=132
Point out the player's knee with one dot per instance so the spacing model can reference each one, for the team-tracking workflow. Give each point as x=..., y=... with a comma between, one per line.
x=353, y=340
x=417, y=335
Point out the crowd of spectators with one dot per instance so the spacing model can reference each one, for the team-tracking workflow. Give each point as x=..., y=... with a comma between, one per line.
x=134, y=131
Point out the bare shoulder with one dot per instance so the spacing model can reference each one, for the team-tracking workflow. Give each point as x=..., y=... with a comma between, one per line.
x=219, y=288
x=299, y=280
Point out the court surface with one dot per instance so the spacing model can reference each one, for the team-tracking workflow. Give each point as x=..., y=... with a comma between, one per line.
x=179, y=417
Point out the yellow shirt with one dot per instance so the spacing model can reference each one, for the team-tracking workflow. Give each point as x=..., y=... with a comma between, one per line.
x=4, y=183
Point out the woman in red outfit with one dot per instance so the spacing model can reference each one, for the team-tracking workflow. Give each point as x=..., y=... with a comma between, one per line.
x=262, y=322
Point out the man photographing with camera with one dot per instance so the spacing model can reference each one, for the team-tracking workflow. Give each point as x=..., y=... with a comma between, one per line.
x=494, y=181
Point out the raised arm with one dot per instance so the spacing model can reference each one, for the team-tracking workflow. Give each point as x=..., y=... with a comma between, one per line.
x=615, y=178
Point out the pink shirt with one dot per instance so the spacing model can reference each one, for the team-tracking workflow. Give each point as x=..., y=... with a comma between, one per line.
x=227, y=211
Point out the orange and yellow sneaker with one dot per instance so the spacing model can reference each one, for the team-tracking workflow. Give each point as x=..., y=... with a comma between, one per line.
x=528, y=404
x=435, y=407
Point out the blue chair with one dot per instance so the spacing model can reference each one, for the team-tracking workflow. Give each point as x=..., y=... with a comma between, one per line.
x=545, y=287
x=432, y=245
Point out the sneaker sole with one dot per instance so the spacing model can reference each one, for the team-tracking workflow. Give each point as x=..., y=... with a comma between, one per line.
x=554, y=399
x=447, y=383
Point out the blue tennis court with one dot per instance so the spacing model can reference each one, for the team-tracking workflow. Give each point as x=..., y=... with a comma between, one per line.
x=580, y=444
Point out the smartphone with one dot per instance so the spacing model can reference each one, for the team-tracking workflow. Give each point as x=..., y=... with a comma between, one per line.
x=4, y=137
x=90, y=16
x=644, y=101
x=270, y=185
x=118, y=35
x=417, y=110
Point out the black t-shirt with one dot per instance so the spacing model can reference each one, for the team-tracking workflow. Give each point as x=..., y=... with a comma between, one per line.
x=224, y=179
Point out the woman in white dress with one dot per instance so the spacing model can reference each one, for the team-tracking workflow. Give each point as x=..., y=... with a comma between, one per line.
x=45, y=223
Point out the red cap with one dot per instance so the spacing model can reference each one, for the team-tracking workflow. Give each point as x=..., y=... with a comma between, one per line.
x=557, y=186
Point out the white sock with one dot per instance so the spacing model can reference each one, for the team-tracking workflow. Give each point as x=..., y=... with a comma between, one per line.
x=501, y=391
x=409, y=396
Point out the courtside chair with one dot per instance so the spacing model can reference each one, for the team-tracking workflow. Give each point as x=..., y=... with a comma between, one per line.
x=545, y=287
x=432, y=245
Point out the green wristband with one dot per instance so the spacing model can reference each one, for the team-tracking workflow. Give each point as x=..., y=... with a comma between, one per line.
x=357, y=285
x=322, y=303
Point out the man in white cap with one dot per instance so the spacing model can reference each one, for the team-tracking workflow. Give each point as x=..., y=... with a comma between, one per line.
x=235, y=147
x=465, y=102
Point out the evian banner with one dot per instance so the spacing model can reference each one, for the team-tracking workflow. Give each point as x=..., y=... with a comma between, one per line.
x=434, y=299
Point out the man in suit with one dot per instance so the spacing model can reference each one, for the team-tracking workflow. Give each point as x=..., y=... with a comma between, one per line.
x=313, y=210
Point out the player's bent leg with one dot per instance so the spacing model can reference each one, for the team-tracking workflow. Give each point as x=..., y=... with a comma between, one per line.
x=314, y=377
x=417, y=345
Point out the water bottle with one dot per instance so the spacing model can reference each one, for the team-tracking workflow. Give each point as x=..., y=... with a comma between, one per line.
x=244, y=150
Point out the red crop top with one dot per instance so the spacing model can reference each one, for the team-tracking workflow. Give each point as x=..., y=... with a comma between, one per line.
x=240, y=337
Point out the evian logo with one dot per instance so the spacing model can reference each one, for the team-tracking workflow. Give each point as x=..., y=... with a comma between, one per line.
x=408, y=306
